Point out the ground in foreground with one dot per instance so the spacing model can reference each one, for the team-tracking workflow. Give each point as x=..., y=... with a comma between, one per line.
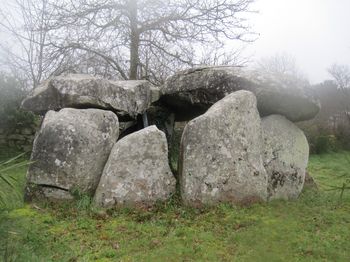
x=314, y=228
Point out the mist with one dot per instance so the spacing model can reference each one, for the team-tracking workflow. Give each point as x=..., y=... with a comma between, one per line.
x=315, y=32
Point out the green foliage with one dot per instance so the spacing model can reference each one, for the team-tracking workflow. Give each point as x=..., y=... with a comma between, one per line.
x=11, y=94
x=316, y=227
x=83, y=200
x=343, y=136
x=332, y=120
x=9, y=178
x=333, y=171
x=174, y=148
x=326, y=144
x=323, y=140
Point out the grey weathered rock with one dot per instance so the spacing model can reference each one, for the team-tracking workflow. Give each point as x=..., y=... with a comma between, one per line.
x=126, y=98
x=137, y=171
x=286, y=153
x=190, y=93
x=71, y=149
x=220, y=158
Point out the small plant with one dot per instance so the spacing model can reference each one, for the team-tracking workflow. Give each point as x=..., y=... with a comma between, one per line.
x=341, y=181
x=83, y=200
x=7, y=179
x=346, y=184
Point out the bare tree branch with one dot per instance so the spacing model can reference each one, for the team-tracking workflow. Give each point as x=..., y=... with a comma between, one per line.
x=134, y=38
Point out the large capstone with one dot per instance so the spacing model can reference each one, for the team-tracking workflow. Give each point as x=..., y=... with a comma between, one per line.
x=137, y=171
x=70, y=152
x=126, y=98
x=286, y=153
x=190, y=93
x=220, y=158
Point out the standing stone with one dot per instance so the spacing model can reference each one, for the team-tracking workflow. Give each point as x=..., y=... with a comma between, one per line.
x=286, y=153
x=220, y=158
x=137, y=171
x=70, y=151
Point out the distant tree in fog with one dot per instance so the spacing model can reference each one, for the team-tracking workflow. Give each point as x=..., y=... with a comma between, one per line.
x=215, y=54
x=341, y=76
x=283, y=65
x=27, y=53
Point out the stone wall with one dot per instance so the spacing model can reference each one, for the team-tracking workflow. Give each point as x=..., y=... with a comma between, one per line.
x=20, y=138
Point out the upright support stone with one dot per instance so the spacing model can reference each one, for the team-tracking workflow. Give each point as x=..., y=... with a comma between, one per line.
x=70, y=151
x=220, y=157
x=145, y=119
x=286, y=153
x=137, y=171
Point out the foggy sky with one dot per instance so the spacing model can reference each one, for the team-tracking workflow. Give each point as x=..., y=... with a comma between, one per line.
x=315, y=32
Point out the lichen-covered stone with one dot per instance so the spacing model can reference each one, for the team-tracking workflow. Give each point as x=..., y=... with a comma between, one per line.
x=220, y=158
x=191, y=92
x=71, y=149
x=286, y=153
x=126, y=98
x=137, y=171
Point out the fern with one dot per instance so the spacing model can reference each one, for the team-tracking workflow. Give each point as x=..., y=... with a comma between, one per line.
x=9, y=181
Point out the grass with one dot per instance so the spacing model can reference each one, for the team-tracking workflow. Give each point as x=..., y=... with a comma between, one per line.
x=330, y=170
x=314, y=228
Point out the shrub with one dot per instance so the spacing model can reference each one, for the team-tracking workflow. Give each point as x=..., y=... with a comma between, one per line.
x=325, y=144
x=323, y=139
x=343, y=136
x=12, y=92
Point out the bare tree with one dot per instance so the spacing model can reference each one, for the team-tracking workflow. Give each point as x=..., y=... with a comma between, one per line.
x=282, y=65
x=27, y=52
x=341, y=76
x=30, y=52
x=127, y=39
x=215, y=54
x=137, y=37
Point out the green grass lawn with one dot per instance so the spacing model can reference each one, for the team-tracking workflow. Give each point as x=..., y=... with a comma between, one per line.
x=314, y=228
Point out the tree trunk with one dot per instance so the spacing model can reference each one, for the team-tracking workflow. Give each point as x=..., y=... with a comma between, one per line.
x=134, y=40
x=134, y=57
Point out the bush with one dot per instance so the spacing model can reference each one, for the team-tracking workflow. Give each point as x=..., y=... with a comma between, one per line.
x=12, y=92
x=343, y=136
x=323, y=139
x=325, y=144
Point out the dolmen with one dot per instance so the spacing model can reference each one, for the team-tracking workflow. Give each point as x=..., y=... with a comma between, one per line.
x=240, y=143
